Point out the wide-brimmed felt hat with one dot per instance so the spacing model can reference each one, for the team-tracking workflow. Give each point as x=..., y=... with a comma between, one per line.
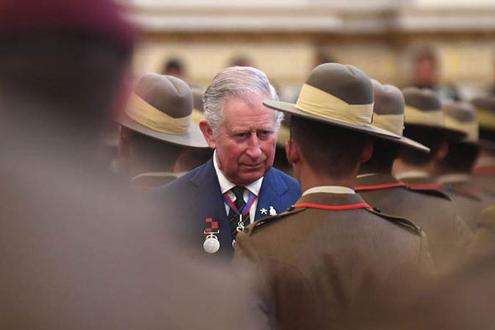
x=424, y=110
x=338, y=95
x=161, y=107
x=389, y=113
x=462, y=116
x=485, y=113
x=198, y=110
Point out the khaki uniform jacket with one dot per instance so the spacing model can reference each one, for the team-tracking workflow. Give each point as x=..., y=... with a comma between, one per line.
x=421, y=201
x=468, y=197
x=484, y=177
x=327, y=269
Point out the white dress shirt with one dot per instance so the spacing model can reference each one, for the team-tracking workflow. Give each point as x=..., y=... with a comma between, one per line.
x=226, y=185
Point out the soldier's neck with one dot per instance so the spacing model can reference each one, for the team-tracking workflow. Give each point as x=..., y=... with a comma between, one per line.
x=401, y=167
x=310, y=179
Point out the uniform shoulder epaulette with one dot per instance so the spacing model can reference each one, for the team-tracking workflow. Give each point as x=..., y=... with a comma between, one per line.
x=437, y=191
x=401, y=222
x=271, y=219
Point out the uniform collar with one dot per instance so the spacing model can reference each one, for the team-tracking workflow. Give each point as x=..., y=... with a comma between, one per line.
x=376, y=181
x=329, y=190
x=331, y=198
x=454, y=178
x=226, y=185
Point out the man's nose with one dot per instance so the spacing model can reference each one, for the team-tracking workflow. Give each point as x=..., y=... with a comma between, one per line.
x=254, y=147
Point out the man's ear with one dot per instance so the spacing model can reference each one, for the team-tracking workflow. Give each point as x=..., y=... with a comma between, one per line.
x=292, y=152
x=367, y=152
x=207, y=133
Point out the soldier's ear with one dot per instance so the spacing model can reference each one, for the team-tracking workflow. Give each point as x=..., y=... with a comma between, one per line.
x=207, y=131
x=367, y=152
x=292, y=152
x=442, y=151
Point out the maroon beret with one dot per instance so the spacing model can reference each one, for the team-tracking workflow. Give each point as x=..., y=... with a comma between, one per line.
x=101, y=17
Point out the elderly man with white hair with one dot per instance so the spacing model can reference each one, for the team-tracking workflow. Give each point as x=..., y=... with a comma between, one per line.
x=238, y=185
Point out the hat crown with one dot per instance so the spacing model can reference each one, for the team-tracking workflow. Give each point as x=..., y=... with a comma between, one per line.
x=167, y=94
x=345, y=82
x=486, y=103
x=460, y=111
x=388, y=99
x=421, y=99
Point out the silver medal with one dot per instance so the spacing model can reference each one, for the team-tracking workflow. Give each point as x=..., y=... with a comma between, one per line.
x=211, y=244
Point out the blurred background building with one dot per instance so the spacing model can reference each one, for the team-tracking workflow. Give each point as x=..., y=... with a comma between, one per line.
x=287, y=38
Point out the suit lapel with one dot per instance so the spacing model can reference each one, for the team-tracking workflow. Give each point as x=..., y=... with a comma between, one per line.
x=269, y=199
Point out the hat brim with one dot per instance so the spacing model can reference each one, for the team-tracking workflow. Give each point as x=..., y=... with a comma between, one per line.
x=191, y=138
x=449, y=132
x=366, y=129
x=407, y=142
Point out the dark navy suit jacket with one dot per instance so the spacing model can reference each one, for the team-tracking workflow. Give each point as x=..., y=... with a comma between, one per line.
x=192, y=198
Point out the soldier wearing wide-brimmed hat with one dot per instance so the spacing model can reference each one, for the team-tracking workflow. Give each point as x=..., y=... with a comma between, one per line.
x=425, y=123
x=425, y=206
x=331, y=250
x=455, y=170
x=159, y=138
x=484, y=172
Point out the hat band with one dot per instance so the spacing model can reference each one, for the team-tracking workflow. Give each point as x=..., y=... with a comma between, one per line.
x=434, y=118
x=391, y=123
x=486, y=118
x=147, y=115
x=316, y=102
x=469, y=128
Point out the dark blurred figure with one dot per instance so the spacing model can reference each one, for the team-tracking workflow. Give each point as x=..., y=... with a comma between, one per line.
x=77, y=251
x=456, y=168
x=322, y=56
x=159, y=139
x=174, y=67
x=426, y=73
x=240, y=60
x=425, y=122
x=484, y=172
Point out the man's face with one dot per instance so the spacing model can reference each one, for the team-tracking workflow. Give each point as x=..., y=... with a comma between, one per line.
x=246, y=140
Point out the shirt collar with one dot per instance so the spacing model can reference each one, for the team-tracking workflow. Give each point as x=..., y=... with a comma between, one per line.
x=412, y=175
x=226, y=185
x=329, y=189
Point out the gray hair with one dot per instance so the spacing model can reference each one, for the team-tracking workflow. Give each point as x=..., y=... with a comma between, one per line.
x=239, y=82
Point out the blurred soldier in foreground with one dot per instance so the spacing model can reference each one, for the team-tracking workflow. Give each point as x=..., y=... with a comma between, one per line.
x=77, y=251
x=159, y=140
x=426, y=206
x=330, y=260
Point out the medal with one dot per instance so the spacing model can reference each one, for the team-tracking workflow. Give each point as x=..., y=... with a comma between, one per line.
x=211, y=244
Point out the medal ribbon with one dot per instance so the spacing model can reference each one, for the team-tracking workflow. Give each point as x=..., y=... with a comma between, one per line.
x=245, y=209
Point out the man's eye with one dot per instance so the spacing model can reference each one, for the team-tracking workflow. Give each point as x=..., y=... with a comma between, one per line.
x=264, y=134
x=242, y=135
